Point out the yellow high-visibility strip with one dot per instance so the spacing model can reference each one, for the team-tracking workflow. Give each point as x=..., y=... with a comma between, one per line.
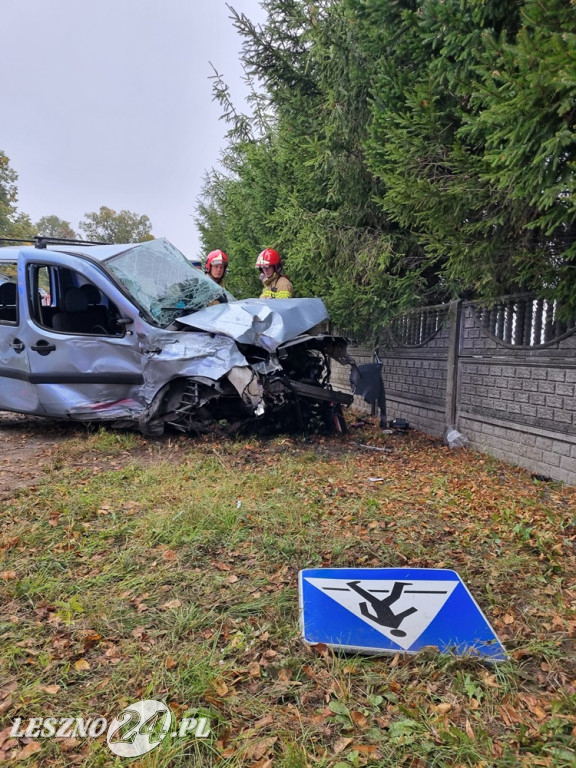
x=268, y=294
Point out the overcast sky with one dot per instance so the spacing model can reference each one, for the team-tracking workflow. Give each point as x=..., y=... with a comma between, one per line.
x=109, y=102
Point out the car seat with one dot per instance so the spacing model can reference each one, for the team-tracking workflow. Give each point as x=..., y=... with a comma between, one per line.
x=98, y=310
x=76, y=316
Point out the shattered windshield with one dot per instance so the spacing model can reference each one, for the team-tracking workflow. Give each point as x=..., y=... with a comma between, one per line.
x=164, y=282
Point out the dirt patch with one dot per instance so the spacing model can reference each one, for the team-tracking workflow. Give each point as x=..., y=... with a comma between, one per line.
x=30, y=445
x=27, y=444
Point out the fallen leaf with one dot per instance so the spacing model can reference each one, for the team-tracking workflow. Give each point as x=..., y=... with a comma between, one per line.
x=91, y=638
x=7, y=690
x=365, y=749
x=497, y=750
x=341, y=744
x=266, y=762
x=221, y=688
x=469, y=731
x=359, y=719
x=5, y=736
x=6, y=747
x=7, y=575
x=171, y=604
x=254, y=669
x=170, y=663
x=533, y=705
x=261, y=748
x=51, y=689
x=510, y=715
x=169, y=555
x=263, y=722
x=68, y=744
x=29, y=749
x=113, y=654
x=443, y=708
x=81, y=665
x=490, y=680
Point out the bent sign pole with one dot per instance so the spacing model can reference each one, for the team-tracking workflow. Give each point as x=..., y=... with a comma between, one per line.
x=391, y=610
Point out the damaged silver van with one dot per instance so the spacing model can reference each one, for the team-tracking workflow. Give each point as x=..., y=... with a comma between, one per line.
x=134, y=335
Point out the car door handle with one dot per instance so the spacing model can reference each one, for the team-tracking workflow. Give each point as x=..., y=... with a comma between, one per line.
x=17, y=346
x=43, y=347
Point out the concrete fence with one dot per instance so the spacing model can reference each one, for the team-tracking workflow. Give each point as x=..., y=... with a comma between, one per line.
x=504, y=376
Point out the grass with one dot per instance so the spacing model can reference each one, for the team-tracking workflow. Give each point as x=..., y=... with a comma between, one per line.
x=168, y=570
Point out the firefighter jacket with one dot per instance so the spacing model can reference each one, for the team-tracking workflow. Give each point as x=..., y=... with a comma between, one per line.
x=277, y=287
x=221, y=284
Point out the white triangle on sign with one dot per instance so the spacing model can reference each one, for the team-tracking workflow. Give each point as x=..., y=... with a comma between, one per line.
x=403, y=618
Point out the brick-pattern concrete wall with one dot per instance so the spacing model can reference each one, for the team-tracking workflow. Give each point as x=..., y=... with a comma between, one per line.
x=519, y=404
x=516, y=403
x=415, y=380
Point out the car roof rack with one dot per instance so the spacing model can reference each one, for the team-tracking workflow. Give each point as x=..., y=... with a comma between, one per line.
x=41, y=241
x=16, y=240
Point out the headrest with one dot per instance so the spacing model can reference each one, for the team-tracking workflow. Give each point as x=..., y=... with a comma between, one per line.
x=92, y=293
x=75, y=300
x=8, y=294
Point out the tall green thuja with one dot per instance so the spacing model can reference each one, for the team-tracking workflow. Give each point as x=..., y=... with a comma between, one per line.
x=426, y=58
x=526, y=110
x=336, y=241
x=473, y=137
x=241, y=201
x=300, y=183
x=327, y=215
x=393, y=136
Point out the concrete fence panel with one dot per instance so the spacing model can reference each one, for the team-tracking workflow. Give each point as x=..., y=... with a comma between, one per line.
x=504, y=375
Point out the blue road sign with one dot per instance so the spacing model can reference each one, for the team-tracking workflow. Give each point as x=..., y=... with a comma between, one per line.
x=390, y=610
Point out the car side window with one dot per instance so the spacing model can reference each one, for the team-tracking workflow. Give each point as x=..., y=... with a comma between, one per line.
x=64, y=301
x=9, y=294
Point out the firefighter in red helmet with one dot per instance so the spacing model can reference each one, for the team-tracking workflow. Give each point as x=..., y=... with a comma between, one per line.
x=275, y=284
x=216, y=266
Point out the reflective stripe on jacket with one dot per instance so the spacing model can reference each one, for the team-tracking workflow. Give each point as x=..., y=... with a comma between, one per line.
x=277, y=287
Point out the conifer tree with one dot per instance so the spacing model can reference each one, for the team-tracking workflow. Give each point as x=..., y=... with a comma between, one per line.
x=402, y=152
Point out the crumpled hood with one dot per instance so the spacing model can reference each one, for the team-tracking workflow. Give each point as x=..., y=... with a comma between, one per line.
x=264, y=323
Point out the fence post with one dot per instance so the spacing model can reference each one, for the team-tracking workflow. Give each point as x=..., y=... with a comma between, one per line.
x=455, y=318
